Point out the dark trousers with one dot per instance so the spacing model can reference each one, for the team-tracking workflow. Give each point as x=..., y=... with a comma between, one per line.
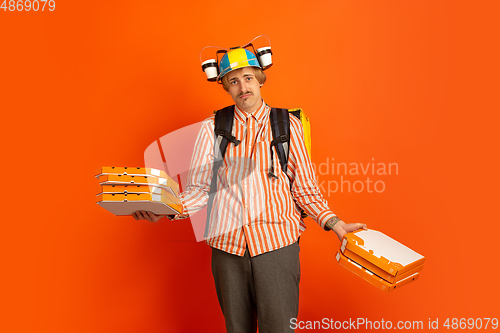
x=264, y=288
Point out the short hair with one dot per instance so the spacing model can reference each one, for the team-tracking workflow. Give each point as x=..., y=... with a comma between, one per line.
x=258, y=72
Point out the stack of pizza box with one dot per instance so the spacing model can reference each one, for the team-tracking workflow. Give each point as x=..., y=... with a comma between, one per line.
x=379, y=259
x=125, y=190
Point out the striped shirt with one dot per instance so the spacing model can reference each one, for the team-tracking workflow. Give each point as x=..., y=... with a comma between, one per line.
x=250, y=208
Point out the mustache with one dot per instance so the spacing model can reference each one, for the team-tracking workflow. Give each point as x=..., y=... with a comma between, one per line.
x=244, y=93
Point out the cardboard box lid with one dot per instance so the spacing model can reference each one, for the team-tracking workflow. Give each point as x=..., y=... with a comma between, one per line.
x=382, y=251
x=126, y=204
x=369, y=276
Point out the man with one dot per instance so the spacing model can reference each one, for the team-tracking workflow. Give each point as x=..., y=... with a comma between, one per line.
x=255, y=224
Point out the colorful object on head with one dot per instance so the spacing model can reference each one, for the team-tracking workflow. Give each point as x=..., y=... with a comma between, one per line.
x=236, y=58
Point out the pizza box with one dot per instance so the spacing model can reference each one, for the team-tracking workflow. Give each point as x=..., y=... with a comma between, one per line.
x=132, y=171
x=127, y=204
x=381, y=254
x=371, y=277
x=133, y=189
x=380, y=272
x=166, y=183
x=139, y=171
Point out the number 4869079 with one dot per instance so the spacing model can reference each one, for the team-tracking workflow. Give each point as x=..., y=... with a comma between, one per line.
x=27, y=5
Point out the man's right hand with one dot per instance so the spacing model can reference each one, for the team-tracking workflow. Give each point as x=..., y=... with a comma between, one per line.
x=145, y=215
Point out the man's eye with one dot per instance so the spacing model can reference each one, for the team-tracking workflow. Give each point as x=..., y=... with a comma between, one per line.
x=249, y=78
x=233, y=82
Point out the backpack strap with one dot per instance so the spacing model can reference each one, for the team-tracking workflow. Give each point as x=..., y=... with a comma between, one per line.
x=223, y=127
x=280, y=126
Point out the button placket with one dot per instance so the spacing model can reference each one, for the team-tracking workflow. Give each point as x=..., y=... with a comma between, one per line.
x=250, y=137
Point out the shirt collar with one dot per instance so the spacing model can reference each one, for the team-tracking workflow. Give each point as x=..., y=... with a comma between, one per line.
x=259, y=114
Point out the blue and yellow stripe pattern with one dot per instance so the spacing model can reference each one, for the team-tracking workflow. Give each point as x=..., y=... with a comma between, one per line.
x=237, y=58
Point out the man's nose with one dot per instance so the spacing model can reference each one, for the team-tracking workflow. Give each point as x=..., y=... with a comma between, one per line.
x=244, y=85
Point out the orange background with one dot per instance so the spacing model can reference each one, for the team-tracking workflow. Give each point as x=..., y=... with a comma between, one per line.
x=407, y=82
